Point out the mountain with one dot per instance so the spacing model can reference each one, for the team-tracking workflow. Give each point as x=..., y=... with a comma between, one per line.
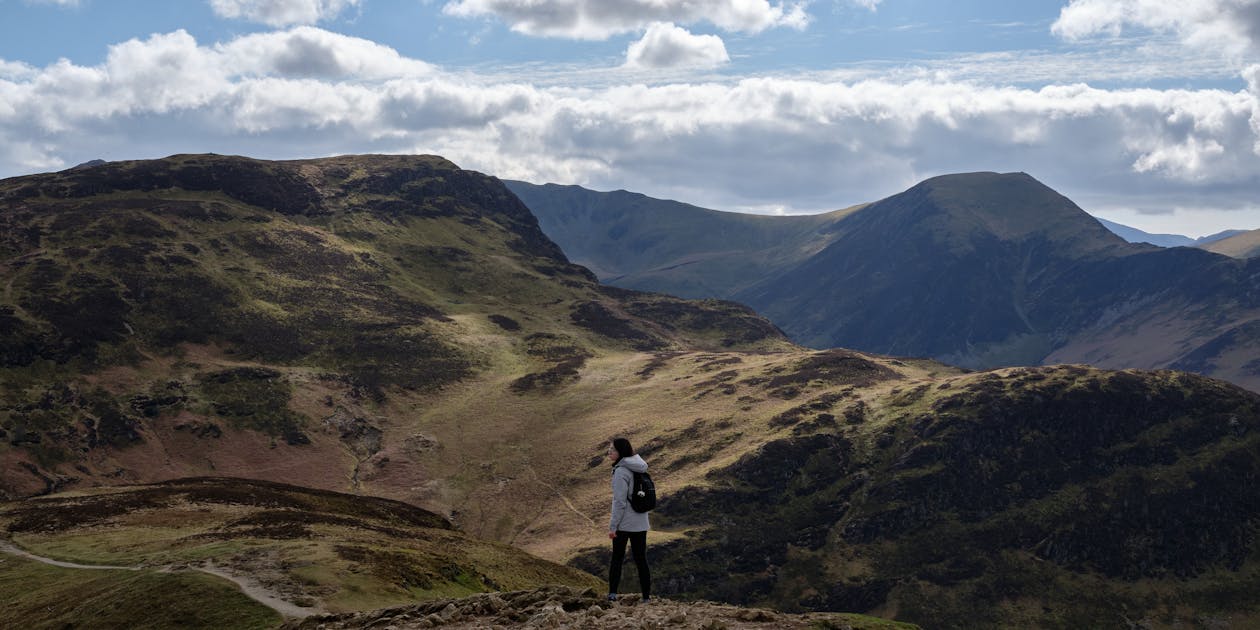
x=1203, y=241
x=1134, y=235
x=979, y=269
x=634, y=241
x=397, y=327
x=1240, y=245
x=214, y=287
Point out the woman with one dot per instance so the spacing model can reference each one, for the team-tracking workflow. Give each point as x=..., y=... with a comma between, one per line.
x=626, y=524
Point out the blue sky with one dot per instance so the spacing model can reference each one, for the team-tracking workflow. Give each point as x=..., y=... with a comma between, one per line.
x=839, y=32
x=1146, y=112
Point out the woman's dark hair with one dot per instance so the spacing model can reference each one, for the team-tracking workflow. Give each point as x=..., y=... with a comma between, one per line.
x=623, y=448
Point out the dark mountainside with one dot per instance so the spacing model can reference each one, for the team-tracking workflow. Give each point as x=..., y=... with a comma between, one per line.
x=399, y=327
x=634, y=241
x=978, y=270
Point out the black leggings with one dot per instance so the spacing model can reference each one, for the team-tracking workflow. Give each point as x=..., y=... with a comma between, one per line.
x=638, y=548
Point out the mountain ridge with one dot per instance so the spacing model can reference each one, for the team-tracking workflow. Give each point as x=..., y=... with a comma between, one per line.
x=1239, y=245
x=982, y=270
x=731, y=245
x=1134, y=235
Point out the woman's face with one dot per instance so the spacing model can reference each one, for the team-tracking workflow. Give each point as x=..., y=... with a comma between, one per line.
x=612, y=453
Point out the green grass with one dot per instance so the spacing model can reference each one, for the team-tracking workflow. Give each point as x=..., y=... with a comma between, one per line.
x=343, y=552
x=34, y=595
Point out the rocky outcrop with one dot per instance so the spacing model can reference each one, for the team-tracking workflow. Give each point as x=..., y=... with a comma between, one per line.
x=562, y=607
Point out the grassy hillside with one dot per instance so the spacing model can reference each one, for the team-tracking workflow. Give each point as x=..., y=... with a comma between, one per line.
x=1059, y=497
x=1245, y=245
x=35, y=595
x=269, y=307
x=320, y=550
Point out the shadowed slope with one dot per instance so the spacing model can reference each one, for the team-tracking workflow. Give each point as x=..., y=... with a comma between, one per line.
x=949, y=269
x=637, y=242
x=977, y=269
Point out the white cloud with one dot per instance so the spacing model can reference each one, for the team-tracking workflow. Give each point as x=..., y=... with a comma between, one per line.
x=62, y=3
x=667, y=46
x=307, y=51
x=1231, y=26
x=1252, y=76
x=868, y=4
x=16, y=70
x=281, y=12
x=600, y=19
x=805, y=144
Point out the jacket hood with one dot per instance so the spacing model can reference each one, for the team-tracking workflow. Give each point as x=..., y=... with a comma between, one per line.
x=634, y=463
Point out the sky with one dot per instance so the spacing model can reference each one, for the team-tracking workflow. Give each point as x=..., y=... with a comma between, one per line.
x=1144, y=112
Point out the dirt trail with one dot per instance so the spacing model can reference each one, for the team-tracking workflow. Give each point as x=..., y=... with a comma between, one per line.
x=560, y=494
x=263, y=595
x=253, y=589
x=10, y=549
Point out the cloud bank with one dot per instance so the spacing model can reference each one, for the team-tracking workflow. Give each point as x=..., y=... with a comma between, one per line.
x=1233, y=26
x=601, y=19
x=280, y=12
x=754, y=143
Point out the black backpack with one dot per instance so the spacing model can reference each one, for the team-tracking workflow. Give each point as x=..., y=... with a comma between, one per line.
x=643, y=493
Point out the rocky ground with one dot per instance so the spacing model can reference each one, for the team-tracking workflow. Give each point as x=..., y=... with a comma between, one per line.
x=563, y=607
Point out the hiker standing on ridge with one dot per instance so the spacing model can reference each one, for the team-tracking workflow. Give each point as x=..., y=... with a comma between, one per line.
x=626, y=524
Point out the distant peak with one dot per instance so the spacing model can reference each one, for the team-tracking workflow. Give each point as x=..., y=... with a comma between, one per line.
x=1009, y=206
x=981, y=178
x=89, y=164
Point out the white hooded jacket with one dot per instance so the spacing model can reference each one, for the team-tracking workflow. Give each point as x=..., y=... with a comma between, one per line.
x=624, y=518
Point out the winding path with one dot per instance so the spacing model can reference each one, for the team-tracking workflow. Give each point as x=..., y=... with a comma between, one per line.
x=252, y=588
